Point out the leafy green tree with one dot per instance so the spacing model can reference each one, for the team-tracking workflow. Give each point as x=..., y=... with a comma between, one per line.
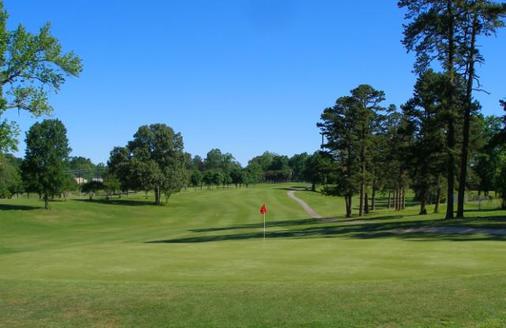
x=175, y=176
x=69, y=185
x=196, y=179
x=111, y=184
x=297, y=164
x=214, y=160
x=226, y=179
x=447, y=32
x=278, y=170
x=339, y=125
x=208, y=178
x=260, y=164
x=213, y=178
x=381, y=159
x=237, y=176
x=367, y=107
x=253, y=174
x=46, y=158
x=425, y=155
x=269, y=167
x=198, y=163
x=31, y=65
x=217, y=178
x=249, y=176
x=432, y=33
x=82, y=168
x=500, y=139
x=119, y=165
x=501, y=184
x=317, y=167
x=100, y=171
x=10, y=177
x=481, y=17
x=153, y=160
x=91, y=188
x=222, y=163
x=485, y=163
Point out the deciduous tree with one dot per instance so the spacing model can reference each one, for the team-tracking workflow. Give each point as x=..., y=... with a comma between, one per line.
x=46, y=158
x=31, y=66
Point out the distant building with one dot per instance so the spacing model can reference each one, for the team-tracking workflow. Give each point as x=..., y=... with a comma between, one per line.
x=80, y=181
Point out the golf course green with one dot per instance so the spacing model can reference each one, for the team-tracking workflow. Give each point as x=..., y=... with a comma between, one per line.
x=201, y=261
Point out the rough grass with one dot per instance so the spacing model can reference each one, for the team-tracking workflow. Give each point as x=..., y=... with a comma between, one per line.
x=201, y=262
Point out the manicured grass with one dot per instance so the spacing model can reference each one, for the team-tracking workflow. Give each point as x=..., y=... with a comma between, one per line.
x=201, y=261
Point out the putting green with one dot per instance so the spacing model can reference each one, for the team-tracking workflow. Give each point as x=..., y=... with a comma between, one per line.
x=201, y=262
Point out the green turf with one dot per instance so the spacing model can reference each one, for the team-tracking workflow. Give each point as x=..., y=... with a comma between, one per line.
x=201, y=261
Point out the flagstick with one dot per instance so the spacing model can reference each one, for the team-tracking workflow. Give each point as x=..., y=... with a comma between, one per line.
x=264, y=226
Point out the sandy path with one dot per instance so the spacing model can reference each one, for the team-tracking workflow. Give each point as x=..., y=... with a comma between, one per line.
x=312, y=213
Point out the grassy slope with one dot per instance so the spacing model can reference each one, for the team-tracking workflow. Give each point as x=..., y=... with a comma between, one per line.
x=202, y=262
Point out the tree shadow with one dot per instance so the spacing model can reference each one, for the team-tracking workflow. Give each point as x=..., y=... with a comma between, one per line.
x=283, y=223
x=298, y=222
x=482, y=210
x=472, y=229
x=294, y=188
x=11, y=207
x=125, y=202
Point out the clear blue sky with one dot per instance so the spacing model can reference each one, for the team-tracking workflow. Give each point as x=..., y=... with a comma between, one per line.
x=243, y=76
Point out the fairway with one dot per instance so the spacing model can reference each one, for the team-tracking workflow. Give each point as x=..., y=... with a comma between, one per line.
x=201, y=262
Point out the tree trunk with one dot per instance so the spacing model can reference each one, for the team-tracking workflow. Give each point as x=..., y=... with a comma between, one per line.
x=403, y=203
x=467, y=119
x=438, y=194
x=423, y=209
x=157, y=195
x=46, y=201
x=348, y=199
x=362, y=173
x=438, y=200
x=366, y=204
x=394, y=199
x=398, y=199
x=450, y=189
x=423, y=202
x=450, y=138
x=389, y=197
x=313, y=186
x=373, y=198
x=361, y=200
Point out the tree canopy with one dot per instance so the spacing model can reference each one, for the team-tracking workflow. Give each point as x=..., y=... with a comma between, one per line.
x=153, y=160
x=46, y=159
x=31, y=66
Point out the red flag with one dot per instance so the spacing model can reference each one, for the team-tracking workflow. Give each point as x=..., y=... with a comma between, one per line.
x=263, y=209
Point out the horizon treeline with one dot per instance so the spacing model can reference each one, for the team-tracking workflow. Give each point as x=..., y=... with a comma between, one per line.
x=155, y=161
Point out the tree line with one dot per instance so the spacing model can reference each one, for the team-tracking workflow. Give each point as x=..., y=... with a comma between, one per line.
x=153, y=161
x=430, y=144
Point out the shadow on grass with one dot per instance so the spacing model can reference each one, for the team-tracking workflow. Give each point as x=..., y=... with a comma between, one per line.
x=126, y=202
x=483, y=210
x=472, y=229
x=11, y=207
x=296, y=188
x=299, y=222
